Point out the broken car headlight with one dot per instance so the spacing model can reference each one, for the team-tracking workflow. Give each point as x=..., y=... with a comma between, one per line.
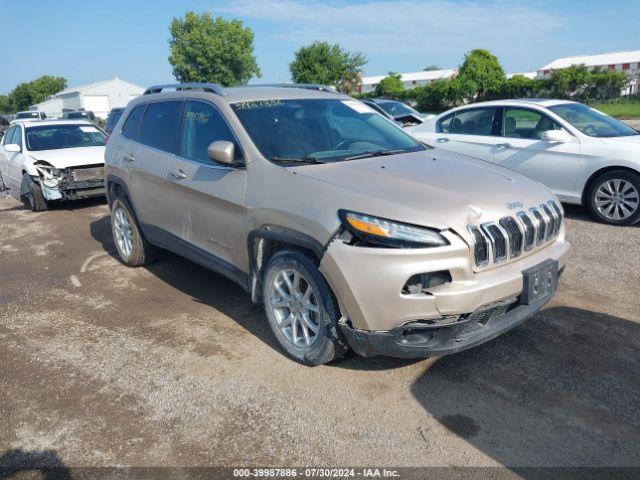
x=50, y=176
x=380, y=231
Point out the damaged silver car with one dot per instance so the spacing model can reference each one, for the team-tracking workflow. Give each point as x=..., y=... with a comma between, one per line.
x=43, y=161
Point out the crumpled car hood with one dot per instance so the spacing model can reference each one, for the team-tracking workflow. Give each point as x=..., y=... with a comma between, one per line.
x=71, y=157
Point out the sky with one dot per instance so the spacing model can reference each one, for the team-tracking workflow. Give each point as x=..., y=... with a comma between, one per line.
x=87, y=41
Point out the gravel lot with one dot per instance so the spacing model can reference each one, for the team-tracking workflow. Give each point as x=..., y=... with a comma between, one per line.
x=103, y=365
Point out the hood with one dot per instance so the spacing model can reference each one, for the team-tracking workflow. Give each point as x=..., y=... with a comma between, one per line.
x=631, y=141
x=433, y=188
x=70, y=157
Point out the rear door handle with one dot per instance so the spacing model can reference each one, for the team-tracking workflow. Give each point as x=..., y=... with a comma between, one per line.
x=128, y=157
x=442, y=140
x=503, y=146
x=177, y=173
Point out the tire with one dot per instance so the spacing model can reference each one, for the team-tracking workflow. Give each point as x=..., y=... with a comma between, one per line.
x=134, y=250
x=3, y=186
x=315, y=348
x=31, y=195
x=614, y=197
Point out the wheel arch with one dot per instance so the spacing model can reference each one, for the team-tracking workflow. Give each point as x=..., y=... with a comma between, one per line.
x=597, y=173
x=266, y=241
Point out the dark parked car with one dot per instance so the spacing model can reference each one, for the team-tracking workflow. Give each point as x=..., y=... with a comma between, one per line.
x=112, y=119
x=4, y=126
x=79, y=115
x=397, y=111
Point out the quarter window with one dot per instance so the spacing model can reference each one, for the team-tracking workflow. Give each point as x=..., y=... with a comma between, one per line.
x=131, y=128
x=160, y=125
x=477, y=121
x=445, y=124
x=203, y=124
x=525, y=123
x=8, y=137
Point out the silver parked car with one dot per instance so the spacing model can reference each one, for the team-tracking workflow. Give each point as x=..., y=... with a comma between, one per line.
x=352, y=233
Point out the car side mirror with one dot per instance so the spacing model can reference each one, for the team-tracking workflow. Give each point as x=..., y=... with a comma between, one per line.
x=223, y=152
x=556, y=136
x=13, y=148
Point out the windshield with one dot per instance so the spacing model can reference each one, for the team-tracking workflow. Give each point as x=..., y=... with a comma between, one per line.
x=320, y=130
x=591, y=121
x=26, y=115
x=398, y=109
x=54, y=137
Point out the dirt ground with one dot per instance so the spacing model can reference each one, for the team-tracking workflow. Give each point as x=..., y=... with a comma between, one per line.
x=103, y=365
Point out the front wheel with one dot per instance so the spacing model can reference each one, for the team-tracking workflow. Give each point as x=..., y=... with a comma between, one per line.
x=301, y=310
x=614, y=197
x=31, y=195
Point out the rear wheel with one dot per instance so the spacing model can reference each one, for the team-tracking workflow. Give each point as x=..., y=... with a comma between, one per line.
x=133, y=248
x=614, y=197
x=301, y=309
x=31, y=195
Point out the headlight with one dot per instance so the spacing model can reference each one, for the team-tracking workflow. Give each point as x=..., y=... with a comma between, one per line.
x=389, y=233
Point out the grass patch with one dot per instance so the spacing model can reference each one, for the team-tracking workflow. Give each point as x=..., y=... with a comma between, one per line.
x=620, y=108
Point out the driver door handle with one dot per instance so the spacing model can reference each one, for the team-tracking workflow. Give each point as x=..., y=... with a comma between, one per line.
x=128, y=157
x=503, y=146
x=177, y=173
x=442, y=140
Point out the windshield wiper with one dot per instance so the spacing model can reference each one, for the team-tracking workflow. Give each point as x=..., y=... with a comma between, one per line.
x=306, y=159
x=375, y=153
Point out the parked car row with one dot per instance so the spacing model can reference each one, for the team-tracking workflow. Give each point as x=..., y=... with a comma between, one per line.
x=583, y=155
x=353, y=233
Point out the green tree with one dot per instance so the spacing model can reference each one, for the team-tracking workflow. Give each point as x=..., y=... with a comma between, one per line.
x=607, y=84
x=480, y=75
x=204, y=49
x=328, y=64
x=5, y=104
x=572, y=82
x=431, y=68
x=390, y=87
x=35, y=91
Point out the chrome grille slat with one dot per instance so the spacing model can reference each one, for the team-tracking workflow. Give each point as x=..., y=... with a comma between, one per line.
x=541, y=227
x=480, y=246
x=509, y=237
x=529, y=229
x=515, y=235
x=498, y=239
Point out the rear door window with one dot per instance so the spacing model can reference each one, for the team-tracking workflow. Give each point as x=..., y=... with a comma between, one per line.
x=160, y=125
x=477, y=121
x=131, y=128
x=525, y=123
x=203, y=124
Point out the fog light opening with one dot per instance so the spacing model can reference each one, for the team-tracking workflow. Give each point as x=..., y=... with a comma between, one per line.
x=420, y=283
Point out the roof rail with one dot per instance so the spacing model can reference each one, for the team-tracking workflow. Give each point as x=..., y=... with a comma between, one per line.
x=307, y=86
x=205, y=87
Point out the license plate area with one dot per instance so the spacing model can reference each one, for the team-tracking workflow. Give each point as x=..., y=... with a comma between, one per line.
x=539, y=282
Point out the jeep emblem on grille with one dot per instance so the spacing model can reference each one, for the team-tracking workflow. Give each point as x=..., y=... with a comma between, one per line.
x=514, y=205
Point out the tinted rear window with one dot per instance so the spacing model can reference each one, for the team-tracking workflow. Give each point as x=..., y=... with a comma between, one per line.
x=160, y=125
x=131, y=128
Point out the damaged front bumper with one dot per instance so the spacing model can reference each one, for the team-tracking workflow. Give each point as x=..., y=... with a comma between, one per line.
x=70, y=183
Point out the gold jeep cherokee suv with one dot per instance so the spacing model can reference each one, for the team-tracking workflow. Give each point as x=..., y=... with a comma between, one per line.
x=352, y=233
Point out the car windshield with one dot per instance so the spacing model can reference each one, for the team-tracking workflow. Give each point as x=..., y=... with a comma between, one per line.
x=320, y=130
x=591, y=121
x=20, y=115
x=398, y=109
x=54, y=137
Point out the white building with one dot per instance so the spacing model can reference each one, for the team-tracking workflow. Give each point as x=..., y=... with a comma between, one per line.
x=98, y=97
x=625, y=61
x=410, y=80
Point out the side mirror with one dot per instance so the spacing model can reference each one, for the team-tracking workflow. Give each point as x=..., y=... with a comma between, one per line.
x=12, y=147
x=556, y=136
x=223, y=152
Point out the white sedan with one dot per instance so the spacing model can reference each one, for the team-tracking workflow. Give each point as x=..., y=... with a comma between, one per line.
x=583, y=155
x=52, y=160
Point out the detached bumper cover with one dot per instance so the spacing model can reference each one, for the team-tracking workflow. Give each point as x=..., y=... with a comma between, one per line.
x=419, y=340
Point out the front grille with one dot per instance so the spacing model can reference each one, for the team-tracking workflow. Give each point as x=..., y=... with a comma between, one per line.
x=513, y=235
x=498, y=241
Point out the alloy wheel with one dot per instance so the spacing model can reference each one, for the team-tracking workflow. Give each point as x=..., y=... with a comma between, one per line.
x=617, y=199
x=295, y=307
x=123, y=234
